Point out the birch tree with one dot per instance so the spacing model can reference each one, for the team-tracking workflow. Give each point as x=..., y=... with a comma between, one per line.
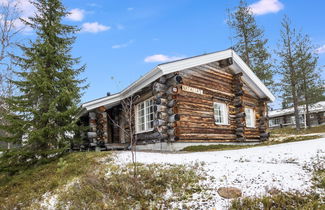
x=9, y=15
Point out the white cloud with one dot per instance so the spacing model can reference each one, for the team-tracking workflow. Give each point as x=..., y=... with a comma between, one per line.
x=118, y=46
x=120, y=27
x=76, y=14
x=26, y=7
x=320, y=50
x=161, y=58
x=93, y=5
x=130, y=8
x=24, y=10
x=266, y=6
x=94, y=27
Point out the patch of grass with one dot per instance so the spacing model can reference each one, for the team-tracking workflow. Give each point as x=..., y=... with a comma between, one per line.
x=214, y=147
x=220, y=147
x=318, y=129
x=27, y=187
x=116, y=187
x=280, y=201
x=92, y=180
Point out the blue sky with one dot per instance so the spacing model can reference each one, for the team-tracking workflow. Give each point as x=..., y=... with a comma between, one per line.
x=122, y=40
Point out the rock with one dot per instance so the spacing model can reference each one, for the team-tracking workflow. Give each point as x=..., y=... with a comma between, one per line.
x=273, y=191
x=229, y=192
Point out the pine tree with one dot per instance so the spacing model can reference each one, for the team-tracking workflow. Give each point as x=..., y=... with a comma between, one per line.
x=311, y=85
x=288, y=67
x=250, y=43
x=43, y=113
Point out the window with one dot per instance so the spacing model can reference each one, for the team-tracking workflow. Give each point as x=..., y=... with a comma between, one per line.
x=144, y=116
x=275, y=122
x=250, y=117
x=220, y=113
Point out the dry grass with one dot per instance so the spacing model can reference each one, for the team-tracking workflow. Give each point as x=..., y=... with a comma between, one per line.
x=116, y=187
x=92, y=180
x=23, y=189
x=221, y=147
x=293, y=131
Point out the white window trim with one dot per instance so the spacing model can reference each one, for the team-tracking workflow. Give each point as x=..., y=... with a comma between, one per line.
x=136, y=118
x=253, y=118
x=225, y=115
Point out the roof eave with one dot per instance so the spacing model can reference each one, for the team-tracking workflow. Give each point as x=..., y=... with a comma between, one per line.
x=249, y=75
x=115, y=99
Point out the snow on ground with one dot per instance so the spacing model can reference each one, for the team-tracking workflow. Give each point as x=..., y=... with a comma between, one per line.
x=253, y=170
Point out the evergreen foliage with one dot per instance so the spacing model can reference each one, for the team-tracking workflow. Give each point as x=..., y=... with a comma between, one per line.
x=301, y=80
x=43, y=114
x=311, y=86
x=250, y=43
x=288, y=66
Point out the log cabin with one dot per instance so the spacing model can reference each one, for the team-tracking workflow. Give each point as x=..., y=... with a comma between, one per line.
x=207, y=99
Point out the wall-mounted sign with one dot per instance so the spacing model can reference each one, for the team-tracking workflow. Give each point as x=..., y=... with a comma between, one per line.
x=192, y=89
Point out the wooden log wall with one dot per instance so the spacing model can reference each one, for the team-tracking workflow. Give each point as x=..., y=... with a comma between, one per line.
x=251, y=100
x=166, y=116
x=215, y=83
x=195, y=106
x=263, y=120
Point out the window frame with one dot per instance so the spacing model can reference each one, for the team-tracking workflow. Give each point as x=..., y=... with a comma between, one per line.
x=145, y=108
x=225, y=113
x=252, y=117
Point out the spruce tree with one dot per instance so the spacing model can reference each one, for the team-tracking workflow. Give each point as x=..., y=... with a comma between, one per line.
x=250, y=43
x=310, y=84
x=288, y=67
x=43, y=114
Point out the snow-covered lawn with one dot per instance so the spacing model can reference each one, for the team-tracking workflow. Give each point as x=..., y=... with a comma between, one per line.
x=254, y=170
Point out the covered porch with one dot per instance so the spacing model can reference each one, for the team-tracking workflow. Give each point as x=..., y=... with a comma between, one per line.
x=105, y=129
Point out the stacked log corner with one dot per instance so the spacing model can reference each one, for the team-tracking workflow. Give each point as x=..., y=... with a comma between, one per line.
x=164, y=91
x=263, y=121
x=92, y=134
x=102, y=135
x=97, y=134
x=239, y=108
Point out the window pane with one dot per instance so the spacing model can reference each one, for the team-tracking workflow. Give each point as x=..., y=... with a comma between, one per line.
x=249, y=117
x=220, y=113
x=145, y=115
